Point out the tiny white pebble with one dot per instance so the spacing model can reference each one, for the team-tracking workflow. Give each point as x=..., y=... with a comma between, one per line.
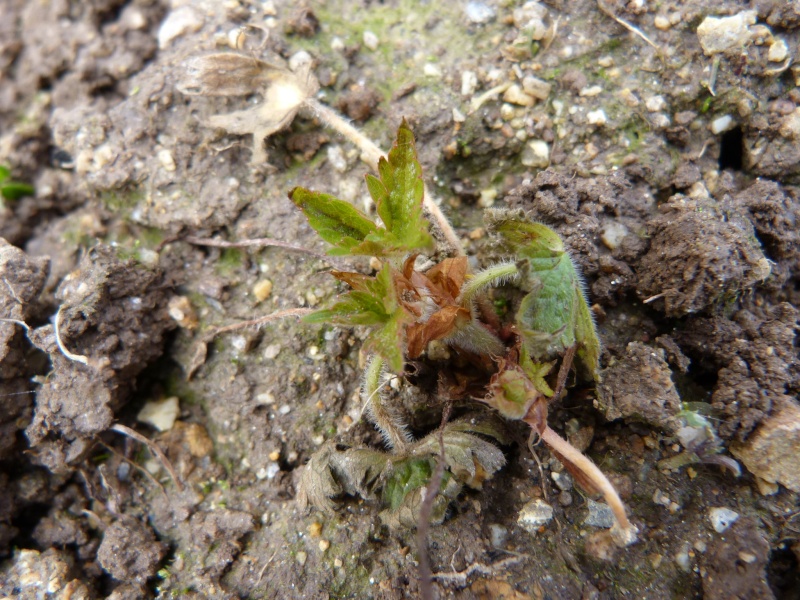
x=284, y=409
x=722, y=124
x=371, y=40
x=597, y=117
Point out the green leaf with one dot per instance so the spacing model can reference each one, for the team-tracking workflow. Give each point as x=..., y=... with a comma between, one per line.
x=398, y=194
x=372, y=301
x=13, y=190
x=407, y=476
x=554, y=315
x=5, y=173
x=336, y=221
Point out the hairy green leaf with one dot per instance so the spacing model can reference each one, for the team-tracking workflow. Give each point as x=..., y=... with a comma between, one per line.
x=554, y=315
x=372, y=301
x=336, y=221
x=398, y=194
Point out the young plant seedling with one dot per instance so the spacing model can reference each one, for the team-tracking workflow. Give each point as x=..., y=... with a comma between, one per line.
x=407, y=309
x=10, y=189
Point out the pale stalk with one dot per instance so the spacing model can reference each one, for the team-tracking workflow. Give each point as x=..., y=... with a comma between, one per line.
x=573, y=455
x=371, y=154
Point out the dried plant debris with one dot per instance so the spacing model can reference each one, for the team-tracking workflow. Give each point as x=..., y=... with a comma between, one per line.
x=229, y=74
x=399, y=479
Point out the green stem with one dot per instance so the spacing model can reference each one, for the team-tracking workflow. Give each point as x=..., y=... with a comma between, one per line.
x=495, y=274
x=394, y=432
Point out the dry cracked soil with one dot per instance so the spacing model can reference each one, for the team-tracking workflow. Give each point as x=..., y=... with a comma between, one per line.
x=142, y=455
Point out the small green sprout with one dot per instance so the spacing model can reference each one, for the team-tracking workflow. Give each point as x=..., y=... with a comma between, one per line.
x=408, y=308
x=12, y=190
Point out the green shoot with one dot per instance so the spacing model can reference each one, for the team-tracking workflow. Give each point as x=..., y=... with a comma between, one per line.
x=13, y=190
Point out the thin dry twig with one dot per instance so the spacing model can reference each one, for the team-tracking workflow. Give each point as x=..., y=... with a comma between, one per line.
x=424, y=525
x=138, y=467
x=290, y=312
x=460, y=579
x=119, y=428
x=609, y=13
x=253, y=243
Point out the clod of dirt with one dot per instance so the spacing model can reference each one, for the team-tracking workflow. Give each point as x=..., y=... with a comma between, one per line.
x=359, y=103
x=734, y=564
x=32, y=575
x=639, y=386
x=129, y=551
x=755, y=360
x=217, y=534
x=775, y=212
x=115, y=315
x=21, y=281
x=772, y=452
x=701, y=253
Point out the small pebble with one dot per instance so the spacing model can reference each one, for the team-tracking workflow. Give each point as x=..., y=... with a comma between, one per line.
x=160, y=414
x=337, y=563
x=371, y=40
x=591, y=92
x=662, y=22
x=565, y=498
x=722, y=518
x=469, y=83
x=324, y=545
x=166, y=160
x=262, y=290
x=778, y=51
x=722, y=124
x=726, y=33
x=274, y=455
x=613, y=234
x=535, y=514
x=180, y=21
x=315, y=529
x=479, y=12
x=515, y=95
x=600, y=515
x=498, y=535
x=271, y=352
x=432, y=70
x=597, y=117
x=655, y=103
x=536, y=154
x=301, y=558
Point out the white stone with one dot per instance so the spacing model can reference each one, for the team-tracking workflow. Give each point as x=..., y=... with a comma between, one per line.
x=535, y=514
x=778, y=51
x=718, y=34
x=597, y=117
x=160, y=414
x=179, y=22
x=515, y=95
x=166, y=159
x=722, y=124
x=655, y=103
x=469, y=83
x=371, y=40
x=536, y=154
x=722, y=518
x=613, y=234
x=432, y=70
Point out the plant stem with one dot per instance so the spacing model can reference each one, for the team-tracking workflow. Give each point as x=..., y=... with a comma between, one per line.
x=371, y=154
x=495, y=274
x=394, y=432
x=573, y=455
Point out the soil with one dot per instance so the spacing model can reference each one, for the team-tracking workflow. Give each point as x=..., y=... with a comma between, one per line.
x=671, y=174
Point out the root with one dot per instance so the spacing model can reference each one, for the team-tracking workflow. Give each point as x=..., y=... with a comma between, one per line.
x=460, y=579
x=607, y=11
x=76, y=357
x=153, y=448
